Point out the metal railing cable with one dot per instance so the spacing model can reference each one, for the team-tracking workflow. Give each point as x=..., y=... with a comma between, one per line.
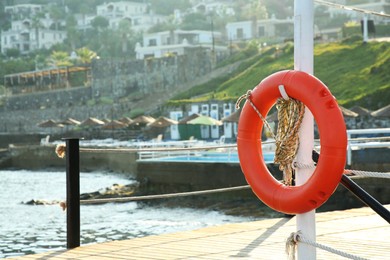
x=163, y=196
x=348, y=172
x=199, y=148
x=297, y=237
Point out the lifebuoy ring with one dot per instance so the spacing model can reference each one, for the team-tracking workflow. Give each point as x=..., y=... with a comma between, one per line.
x=333, y=138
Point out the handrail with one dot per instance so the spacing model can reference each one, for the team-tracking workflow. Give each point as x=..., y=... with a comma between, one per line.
x=360, y=193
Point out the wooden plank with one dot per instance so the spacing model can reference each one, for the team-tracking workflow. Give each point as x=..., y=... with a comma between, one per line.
x=357, y=231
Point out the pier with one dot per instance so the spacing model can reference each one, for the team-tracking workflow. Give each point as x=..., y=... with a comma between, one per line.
x=360, y=232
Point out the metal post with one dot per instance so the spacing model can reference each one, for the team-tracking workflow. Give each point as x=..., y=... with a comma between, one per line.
x=303, y=61
x=365, y=197
x=361, y=194
x=365, y=28
x=73, y=193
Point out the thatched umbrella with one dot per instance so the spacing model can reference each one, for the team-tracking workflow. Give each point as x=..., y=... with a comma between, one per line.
x=142, y=120
x=188, y=118
x=50, y=124
x=233, y=117
x=126, y=120
x=114, y=124
x=91, y=121
x=70, y=121
x=348, y=113
x=204, y=120
x=361, y=111
x=162, y=121
x=382, y=112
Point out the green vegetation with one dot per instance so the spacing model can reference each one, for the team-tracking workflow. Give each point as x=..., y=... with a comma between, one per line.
x=356, y=73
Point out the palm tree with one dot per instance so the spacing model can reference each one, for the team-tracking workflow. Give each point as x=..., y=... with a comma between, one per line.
x=37, y=24
x=59, y=59
x=85, y=55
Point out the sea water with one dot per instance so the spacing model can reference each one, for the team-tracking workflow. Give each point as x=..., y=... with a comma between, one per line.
x=27, y=229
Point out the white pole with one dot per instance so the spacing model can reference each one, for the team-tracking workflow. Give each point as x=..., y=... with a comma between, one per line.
x=303, y=61
x=365, y=28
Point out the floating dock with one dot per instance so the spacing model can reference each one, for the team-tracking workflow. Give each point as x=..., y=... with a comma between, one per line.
x=360, y=232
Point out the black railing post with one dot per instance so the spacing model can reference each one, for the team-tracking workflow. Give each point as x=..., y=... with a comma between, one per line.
x=361, y=194
x=366, y=198
x=72, y=193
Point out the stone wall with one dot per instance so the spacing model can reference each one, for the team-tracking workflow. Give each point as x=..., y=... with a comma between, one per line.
x=110, y=78
x=121, y=78
x=42, y=100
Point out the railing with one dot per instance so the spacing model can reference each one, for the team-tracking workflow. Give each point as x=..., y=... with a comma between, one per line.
x=73, y=193
x=226, y=155
x=355, y=144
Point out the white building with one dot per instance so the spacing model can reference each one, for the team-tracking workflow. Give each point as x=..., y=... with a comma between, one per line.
x=175, y=42
x=246, y=30
x=219, y=8
x=121, y=9
x=23, y=10
x=379, y=6
x=138, y=14
x=24, y=37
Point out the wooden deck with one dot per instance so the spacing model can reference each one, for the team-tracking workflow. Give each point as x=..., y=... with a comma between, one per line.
x=360, y=232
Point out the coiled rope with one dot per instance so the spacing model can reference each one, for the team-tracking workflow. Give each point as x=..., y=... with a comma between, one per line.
x=290, y=115
x=295, y=237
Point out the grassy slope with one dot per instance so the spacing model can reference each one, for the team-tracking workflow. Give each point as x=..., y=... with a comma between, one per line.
x=356, y=73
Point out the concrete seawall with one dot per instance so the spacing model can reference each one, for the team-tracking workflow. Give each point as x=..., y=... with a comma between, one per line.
x=36, y=157
x=167, y=177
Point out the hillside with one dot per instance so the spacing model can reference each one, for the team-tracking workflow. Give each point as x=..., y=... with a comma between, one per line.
x=356, y=74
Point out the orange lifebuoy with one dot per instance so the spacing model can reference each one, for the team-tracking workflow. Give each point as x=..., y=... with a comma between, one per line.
x=333, y=138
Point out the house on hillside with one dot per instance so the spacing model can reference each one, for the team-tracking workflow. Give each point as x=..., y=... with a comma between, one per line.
x=138, y=14
x=247, y=30
x=218, y=7
x=27, y=35
x=159, y=44
x=19, y=12
x=379, y=6
x=27, y=32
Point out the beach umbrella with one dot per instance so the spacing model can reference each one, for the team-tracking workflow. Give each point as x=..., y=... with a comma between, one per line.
x=126, y=120
x=49, y=124
x=114, y=124
x=382, y=112
x=162, y=121
x=142, y=120
x=91, y=121
x=188, y=118
x=361, y=111
x=347, y=112
x=204, y=120
x=70, y=121
x=233, y=117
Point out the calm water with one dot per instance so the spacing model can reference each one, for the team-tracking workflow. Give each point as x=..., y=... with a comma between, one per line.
x=26, y=229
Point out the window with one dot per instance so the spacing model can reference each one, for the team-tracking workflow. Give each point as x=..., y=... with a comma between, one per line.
x=261, y=31
x=240, y=33
x=152, y=42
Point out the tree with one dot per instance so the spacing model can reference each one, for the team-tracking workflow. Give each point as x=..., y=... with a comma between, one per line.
x=196, y=21
x=100, y=23
x=85, y=55
x=59, y=59
x=37, y=24
x=56, y=13
x=167, y=7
